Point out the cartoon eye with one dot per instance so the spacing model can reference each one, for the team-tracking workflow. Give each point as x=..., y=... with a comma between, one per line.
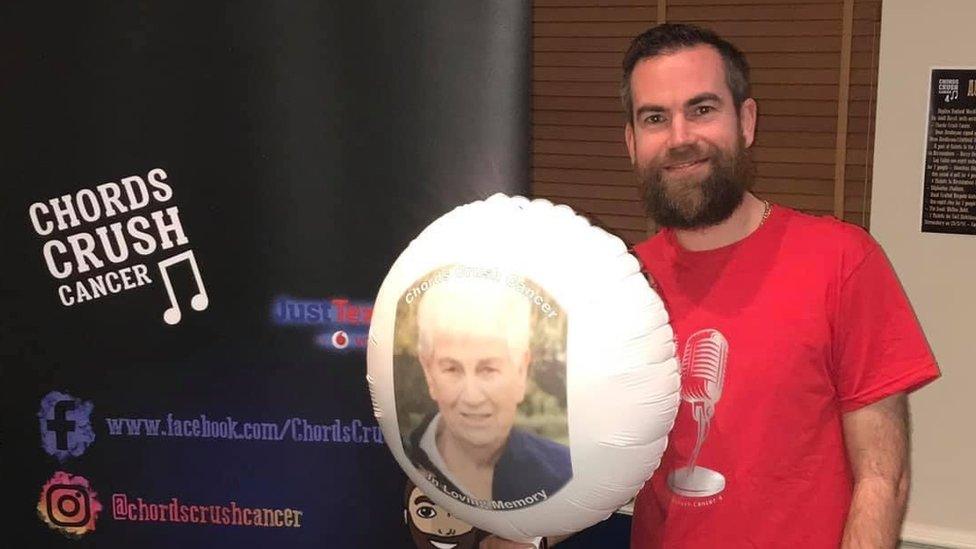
x=426, y=511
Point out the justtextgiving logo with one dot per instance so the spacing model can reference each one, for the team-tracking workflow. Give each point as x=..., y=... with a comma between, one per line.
x=65, y=422
x=342, y=324
x=69, y=504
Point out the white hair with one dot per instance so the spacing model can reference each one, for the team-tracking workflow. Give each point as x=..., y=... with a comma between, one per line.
x=474, y=306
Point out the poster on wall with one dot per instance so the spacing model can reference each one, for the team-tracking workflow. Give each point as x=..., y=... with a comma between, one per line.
x=949, y=191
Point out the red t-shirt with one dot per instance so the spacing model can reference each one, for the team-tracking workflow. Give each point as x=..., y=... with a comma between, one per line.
x=779, y=334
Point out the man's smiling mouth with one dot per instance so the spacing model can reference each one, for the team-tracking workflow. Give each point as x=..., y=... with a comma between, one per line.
x=684, y=165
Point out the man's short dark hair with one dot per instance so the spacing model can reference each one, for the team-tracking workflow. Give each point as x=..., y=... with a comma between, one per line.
x=671, y=37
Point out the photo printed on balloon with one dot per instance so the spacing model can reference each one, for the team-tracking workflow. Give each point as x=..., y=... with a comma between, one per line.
x=480, y=386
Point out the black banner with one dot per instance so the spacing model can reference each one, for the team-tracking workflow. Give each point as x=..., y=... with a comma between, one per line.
x=201, y=202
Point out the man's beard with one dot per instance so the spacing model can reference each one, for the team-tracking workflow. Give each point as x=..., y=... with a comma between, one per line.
x=694, y=204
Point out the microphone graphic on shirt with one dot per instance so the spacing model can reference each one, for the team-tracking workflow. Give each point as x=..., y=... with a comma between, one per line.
x=702, y=378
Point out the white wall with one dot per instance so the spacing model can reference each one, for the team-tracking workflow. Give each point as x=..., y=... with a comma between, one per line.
x=938, y=271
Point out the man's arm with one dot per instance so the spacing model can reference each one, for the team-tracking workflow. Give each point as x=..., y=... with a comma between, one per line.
x=877, y=438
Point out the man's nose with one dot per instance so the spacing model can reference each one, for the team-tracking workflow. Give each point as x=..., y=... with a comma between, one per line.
x=681, y=134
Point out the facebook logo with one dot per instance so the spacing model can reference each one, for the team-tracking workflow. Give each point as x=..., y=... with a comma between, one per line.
x=66, y=428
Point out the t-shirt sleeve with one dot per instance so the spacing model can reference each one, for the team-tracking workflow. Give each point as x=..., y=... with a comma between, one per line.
x=879, y=348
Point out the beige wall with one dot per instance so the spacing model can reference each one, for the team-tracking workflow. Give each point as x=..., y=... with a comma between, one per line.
x=938, y=271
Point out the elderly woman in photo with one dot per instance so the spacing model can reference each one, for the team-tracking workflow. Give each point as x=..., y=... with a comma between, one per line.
x=473, y=346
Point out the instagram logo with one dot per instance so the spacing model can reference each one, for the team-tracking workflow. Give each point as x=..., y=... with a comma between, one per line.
x=69, y=504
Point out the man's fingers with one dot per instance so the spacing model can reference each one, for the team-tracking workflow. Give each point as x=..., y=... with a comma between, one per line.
x=495, y=542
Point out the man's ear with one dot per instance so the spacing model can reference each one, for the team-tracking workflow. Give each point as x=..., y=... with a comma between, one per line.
x=629, y=138
x=747, y=121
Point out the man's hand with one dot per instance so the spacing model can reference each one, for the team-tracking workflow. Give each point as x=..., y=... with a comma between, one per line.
x=877, y=438
x=495, y=542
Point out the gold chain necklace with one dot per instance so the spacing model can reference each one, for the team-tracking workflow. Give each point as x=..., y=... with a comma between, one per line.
x=767, y=207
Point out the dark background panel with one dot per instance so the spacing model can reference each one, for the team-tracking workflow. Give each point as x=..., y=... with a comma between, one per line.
x=306, y=145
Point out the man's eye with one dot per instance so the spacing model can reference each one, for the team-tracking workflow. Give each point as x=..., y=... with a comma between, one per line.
x=654, y=119
x=703, y=109
x=426, y=511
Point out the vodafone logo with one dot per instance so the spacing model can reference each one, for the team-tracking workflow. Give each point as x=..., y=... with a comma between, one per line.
x=342, y=340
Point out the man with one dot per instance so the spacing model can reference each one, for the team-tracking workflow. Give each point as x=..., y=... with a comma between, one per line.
x=798, y=345
x=473, y=346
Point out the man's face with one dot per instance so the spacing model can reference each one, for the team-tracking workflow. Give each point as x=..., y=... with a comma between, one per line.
x=687, y=140
x=477, y=386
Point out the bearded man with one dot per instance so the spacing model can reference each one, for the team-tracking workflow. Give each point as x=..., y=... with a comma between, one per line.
x=798, y=344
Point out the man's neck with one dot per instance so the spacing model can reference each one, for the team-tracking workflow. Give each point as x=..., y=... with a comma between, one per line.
x=744, y=220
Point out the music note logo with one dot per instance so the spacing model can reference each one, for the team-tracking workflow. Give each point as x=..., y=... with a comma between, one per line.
x=702, y=378
x=199, y=302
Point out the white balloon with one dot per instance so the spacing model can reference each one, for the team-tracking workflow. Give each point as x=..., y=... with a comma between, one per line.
x=622, y=377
